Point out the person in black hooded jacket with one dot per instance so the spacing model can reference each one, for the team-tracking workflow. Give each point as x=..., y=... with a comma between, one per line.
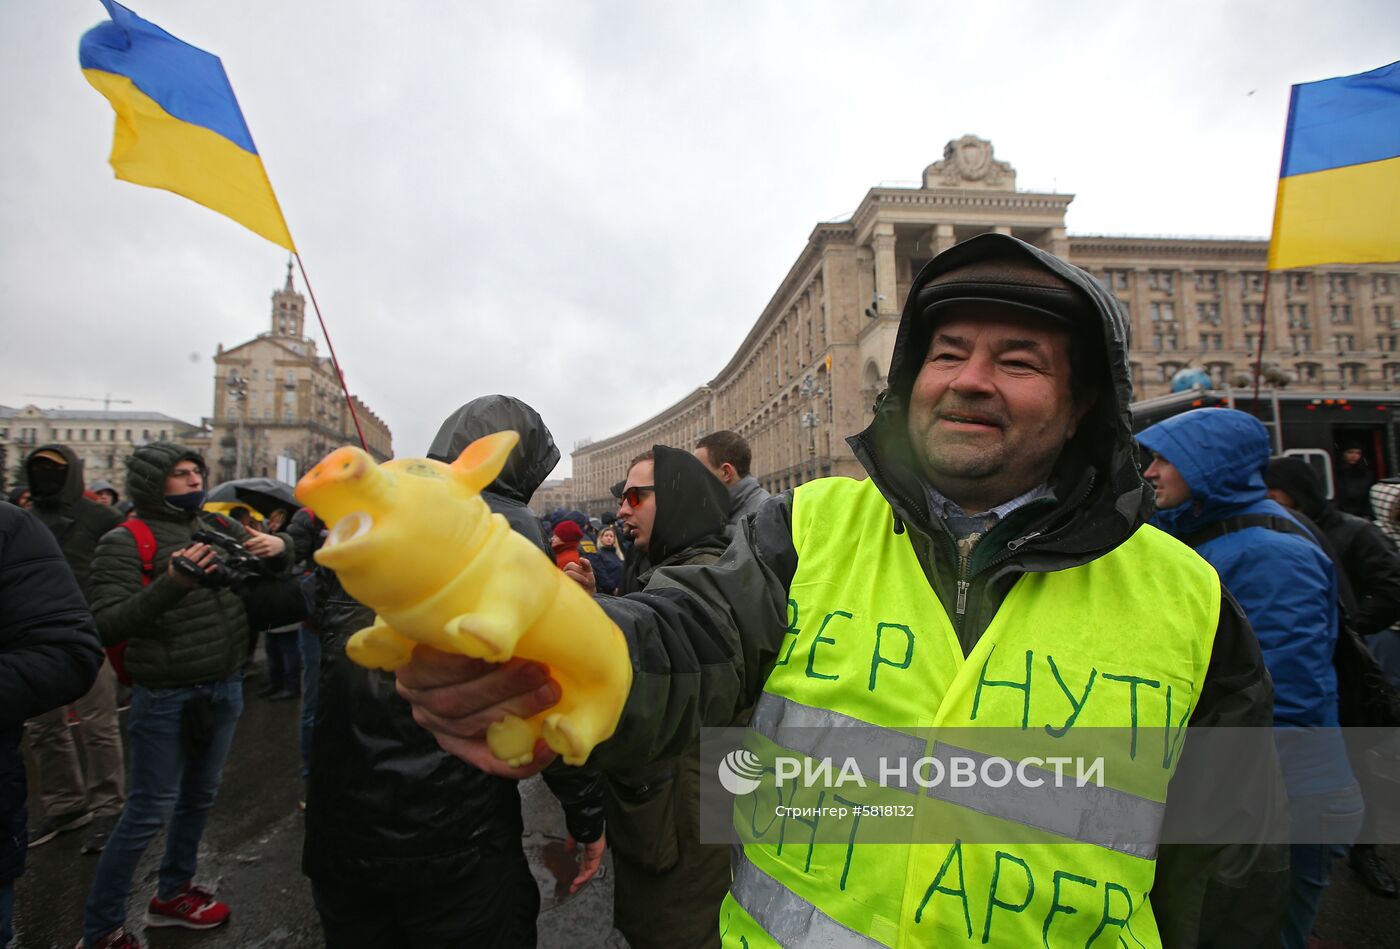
x=49, y=654
x=1371, y=561
x=76, y=791
x=669, y=885
x=1370, y=593
x=405, y=844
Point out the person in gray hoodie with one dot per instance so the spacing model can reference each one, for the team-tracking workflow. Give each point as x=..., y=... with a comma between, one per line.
x=728, y=457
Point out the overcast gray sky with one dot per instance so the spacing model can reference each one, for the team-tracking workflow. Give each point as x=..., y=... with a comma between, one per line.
x=588, y=204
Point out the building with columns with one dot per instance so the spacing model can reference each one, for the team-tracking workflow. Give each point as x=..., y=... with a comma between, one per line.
x=101, y=438
x=809, y=370
x=274, y=396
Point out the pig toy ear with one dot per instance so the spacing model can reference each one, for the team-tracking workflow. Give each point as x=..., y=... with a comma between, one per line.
x=480, y=462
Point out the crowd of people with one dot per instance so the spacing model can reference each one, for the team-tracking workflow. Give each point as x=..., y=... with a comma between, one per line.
x=1010, y=517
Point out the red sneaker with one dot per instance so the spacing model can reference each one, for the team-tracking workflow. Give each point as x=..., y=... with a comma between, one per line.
x=191, y=908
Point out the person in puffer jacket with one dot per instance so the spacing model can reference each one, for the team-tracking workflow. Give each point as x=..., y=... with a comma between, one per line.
x=407, y=845
x=1208, y=467
x=186, y=636
x=49, y=656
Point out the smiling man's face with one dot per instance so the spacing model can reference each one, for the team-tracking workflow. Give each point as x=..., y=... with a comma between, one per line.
x=992, y=408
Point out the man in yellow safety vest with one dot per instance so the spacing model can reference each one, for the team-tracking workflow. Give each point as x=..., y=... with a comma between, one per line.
x=994, y=580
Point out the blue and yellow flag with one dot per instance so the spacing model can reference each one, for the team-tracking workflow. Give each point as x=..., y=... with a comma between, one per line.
x=178, y=123
x=1339, y=189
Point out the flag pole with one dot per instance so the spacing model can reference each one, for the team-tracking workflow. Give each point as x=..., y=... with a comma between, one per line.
x=349, y=403
x=1263, y=334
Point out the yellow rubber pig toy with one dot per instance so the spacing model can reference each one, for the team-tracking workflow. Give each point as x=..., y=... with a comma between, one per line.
x=413, y=540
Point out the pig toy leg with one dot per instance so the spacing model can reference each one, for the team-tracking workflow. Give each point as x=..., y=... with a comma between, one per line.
x=514, y=601
x=512, y=740
x=379, y=647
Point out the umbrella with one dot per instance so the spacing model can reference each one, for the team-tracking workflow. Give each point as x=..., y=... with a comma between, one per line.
x=264, y=494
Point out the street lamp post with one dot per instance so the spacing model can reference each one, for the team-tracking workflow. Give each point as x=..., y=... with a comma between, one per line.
x=810, y=390
x=238, y=393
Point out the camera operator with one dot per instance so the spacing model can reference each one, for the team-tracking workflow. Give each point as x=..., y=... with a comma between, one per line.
x=186, y=630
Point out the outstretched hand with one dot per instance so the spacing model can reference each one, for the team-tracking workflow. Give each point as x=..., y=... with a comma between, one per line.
x=589, y=863
x=457, y=698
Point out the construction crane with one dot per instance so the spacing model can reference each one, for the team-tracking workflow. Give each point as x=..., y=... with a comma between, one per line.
x=106, y=400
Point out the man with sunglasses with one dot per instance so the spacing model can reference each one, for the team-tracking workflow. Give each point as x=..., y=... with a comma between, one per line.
x=669, y=885
x=994, y=577
x=186, y=636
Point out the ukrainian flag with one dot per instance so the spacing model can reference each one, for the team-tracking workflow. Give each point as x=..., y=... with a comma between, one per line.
x=1339, y=189
x=178, y=123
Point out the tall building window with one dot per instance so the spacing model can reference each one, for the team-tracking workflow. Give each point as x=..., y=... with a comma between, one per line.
x=1308, y=371
x=1252, y=281
x=1386, y=343
x=1351, y=373
x=1297, y=283
x=1115, y=279
x=1345, y=342
x=1341, y=313
x=1339, y=283
x=254, y=374
x=1166, y=370
x=1251, y=342
x=1385, y=315
x=1163, y=313
x=1207, y=280
x=1163, y=280
x=1213, y=341
x=1380, y=284
x=1298, y=316
x=1253, y=313
x=1302, y=342
x=1208, y=313
x=1219, y=374
x=1392, y=372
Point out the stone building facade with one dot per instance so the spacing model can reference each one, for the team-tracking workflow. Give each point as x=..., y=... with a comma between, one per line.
x=808, y=372
x=552, y=495
x=102, y=439
x=274, y=396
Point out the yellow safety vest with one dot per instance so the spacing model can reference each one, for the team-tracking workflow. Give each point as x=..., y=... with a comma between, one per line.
x=1103, y=660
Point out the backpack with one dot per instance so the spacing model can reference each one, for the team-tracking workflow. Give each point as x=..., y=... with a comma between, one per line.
x=1365, y=697
x=146, y=549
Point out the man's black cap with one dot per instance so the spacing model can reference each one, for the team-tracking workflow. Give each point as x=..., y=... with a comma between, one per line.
x=1009, y=276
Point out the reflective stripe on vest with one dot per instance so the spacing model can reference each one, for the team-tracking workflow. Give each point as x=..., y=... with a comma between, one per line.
x=787, y=917
x=1100, y=815
x=1079, y=660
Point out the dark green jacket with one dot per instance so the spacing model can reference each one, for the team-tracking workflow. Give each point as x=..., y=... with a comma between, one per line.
x=669, y=885
x=176, y=636
x=76, y=522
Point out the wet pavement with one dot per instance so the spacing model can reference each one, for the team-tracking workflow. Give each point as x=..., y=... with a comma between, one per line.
x=251, y=854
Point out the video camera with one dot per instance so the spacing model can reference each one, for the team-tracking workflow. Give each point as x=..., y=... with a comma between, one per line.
x=234, y=564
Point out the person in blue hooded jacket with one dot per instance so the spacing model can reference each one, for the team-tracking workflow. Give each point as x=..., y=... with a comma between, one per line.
x=1208, y=468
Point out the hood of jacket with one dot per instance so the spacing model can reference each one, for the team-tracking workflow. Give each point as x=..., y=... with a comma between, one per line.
x=1101, y=497
x=1221, y=453
x=692, y=505
x=72, y=488
x=146, y=470
x=1385, y=501
x=1299, y=480
x=528, y=465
